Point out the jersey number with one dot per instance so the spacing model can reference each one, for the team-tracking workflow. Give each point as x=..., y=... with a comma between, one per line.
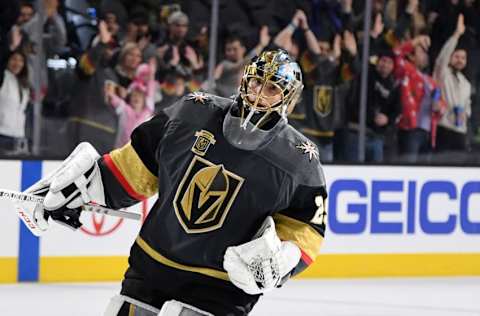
x=321, y=214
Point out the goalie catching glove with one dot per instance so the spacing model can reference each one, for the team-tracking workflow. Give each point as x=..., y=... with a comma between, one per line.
x=262, y=264
x=76, y=182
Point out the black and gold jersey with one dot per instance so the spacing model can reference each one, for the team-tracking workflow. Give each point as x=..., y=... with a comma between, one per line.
x=211, y=194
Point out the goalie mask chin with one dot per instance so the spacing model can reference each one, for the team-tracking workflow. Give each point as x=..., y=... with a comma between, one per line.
x=269, y=90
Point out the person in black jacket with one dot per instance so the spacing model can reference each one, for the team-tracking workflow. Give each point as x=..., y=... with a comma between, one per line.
x=383, y=106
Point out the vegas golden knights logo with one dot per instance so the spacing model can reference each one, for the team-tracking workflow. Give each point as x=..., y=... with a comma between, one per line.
x=322, y=98
x=205, y=195
x=204, y=139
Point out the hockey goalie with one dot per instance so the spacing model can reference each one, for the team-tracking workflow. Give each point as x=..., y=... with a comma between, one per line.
x=241, y=206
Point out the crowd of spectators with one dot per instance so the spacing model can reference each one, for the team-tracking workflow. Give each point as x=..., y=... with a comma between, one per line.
x=97, y=69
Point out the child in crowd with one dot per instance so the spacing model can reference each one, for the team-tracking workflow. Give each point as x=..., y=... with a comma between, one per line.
x=139, y=104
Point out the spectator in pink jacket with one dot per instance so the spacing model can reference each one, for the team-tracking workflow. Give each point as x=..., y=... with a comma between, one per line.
x=139, y=104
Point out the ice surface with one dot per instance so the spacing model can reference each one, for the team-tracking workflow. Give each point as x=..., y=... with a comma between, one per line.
x=344, y=297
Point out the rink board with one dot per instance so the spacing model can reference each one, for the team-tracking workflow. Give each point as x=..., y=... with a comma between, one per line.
x=383, y=221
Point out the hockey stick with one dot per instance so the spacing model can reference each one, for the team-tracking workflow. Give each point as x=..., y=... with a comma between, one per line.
x=27, y=197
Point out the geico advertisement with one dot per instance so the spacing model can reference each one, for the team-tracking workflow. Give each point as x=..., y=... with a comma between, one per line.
x=376, y=209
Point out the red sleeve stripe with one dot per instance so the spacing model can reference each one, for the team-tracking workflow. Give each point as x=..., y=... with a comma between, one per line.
x=305, y=258
x=121, y=179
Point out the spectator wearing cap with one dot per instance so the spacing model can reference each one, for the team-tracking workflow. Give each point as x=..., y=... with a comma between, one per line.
x=421, y=100
x=452, y=60
x=174, y=54
x=383, y=107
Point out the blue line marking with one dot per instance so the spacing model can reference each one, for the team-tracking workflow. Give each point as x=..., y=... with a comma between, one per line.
x=28, y=256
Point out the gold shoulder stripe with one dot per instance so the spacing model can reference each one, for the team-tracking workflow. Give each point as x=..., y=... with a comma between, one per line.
x=172, y=264
x=302, y=234
x=135, y=173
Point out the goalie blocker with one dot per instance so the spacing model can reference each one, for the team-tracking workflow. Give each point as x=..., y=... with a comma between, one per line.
x=61, y=194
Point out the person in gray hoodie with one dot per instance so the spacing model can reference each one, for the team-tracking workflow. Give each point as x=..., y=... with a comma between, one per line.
x=452, y=60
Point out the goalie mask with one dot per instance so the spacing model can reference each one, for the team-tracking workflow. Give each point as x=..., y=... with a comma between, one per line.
x=269, y=90
x=272, y=82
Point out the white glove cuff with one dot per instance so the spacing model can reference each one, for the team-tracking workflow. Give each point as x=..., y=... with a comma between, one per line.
x=78, y=181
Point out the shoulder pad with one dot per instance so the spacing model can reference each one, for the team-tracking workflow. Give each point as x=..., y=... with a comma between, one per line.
x=309, y=169
x=197, y=107
x=296, y=155
x=207, y=99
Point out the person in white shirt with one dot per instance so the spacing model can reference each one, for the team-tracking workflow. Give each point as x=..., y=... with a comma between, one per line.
x=14, y=97
x=452, y=129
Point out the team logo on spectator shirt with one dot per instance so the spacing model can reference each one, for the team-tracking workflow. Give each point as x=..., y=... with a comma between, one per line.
x=203, y=142
x=205, y=195
x=322, y=100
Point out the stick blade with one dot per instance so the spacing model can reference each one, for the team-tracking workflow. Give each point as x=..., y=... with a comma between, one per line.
x=23, y=211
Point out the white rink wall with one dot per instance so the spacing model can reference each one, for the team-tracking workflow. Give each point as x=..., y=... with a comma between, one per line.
x=383, y=221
